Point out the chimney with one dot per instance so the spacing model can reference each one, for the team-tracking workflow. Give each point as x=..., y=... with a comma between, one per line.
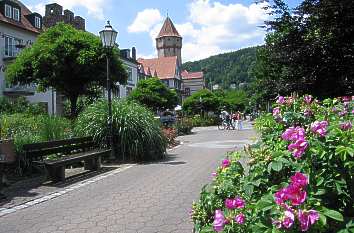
x=134, y=53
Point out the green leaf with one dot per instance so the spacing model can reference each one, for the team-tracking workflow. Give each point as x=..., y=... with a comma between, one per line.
x=323, y=219
x=277, y=166
x=333, y=214
x=249, y=189
x=320, y=181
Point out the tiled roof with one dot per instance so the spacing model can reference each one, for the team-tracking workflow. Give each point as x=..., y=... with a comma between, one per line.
x=163, y=67
x=168, y=29
x=24, y=23
x=192, y=75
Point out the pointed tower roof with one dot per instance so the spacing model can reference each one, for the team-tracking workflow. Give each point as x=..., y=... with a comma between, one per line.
x=168, y=29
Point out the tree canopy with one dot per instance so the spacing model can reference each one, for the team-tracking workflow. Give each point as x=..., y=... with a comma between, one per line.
x=154, y=94
x=201, y=101
x=69, y=60
x=308, y=49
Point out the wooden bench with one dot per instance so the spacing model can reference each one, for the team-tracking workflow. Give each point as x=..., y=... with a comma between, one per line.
x=65, y=152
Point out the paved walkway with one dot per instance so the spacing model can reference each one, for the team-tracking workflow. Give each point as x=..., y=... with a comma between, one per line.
x=145, y=198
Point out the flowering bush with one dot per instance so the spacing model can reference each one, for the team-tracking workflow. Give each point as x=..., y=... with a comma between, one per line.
x=170, y=134
x=300, y=176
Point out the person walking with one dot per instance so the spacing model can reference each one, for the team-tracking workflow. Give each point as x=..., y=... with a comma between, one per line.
x=239, y=120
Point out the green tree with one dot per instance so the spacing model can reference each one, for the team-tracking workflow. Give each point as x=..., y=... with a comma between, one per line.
x=69, y=60
x=201, y=101
x=226, y=69
x=154, y=94
x=308, y=49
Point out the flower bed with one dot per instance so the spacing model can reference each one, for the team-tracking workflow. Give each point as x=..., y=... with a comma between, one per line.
x=300, y=176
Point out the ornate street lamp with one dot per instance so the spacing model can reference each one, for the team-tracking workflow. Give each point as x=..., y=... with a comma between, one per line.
x=108, y=38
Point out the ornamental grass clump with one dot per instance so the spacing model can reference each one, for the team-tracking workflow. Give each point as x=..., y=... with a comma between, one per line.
x=300, y=175
x=137, y=135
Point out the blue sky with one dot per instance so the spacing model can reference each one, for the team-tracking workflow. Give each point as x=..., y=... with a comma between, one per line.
x=208, y=27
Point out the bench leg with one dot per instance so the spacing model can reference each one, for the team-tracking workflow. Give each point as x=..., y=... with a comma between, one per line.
x=56, y=174
x=93, y=164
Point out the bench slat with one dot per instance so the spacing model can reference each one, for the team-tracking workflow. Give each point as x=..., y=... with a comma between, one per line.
x=76, y=158
x=51, y=144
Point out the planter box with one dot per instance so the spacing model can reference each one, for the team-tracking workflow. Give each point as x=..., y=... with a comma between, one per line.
x=7, y=151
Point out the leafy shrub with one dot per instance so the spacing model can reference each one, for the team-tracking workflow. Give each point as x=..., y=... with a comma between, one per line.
x=20, y=105
x=300, y=176
x=170, y=134
x=183, y=126
x=137, y=135
x=203, y=121
x=26, y=128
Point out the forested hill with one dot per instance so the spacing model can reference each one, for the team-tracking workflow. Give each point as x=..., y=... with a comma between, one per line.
x=226, y=69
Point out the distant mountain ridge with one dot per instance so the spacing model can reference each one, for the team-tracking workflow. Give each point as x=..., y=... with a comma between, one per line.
x=227, y=68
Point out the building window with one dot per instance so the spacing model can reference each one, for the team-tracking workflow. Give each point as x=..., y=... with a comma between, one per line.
x=37, y=22
x=9, y=46
x=16, y=14
x=187, y=91
x=130, y=75
x=8, y=11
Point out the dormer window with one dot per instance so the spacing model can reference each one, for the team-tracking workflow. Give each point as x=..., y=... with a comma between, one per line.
x=37, y=22
x=16, y=14
x=8, y=11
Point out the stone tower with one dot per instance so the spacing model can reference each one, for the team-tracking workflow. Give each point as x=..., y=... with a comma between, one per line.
x=169, y=41
x=54, y=14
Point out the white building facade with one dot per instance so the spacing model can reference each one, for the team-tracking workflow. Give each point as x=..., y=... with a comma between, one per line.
x=19, y=28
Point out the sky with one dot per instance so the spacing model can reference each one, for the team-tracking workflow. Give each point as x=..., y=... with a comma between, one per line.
x=208, y=27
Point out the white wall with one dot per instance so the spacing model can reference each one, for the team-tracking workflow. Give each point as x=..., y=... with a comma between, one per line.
x=25, y=36
x=131, y=84
x=6, y=29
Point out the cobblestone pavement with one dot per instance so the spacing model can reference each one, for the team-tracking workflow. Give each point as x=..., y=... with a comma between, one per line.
x=154, y=197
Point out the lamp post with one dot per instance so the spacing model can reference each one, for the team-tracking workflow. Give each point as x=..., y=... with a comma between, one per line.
x=108, y=38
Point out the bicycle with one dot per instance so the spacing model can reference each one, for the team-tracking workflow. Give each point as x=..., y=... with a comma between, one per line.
x=224, y=125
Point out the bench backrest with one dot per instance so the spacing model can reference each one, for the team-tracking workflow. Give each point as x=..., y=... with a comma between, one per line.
x=37, y=151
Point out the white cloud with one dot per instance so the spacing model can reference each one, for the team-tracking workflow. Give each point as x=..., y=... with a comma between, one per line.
x=39, y=8
x=211, y=27
x=93, y=7
x=145, y=20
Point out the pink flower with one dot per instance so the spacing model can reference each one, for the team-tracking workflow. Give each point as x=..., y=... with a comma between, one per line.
x=319, y=127
x=226, y=163
x=307, y=218
x=280, y=196
x=277, y=223
x=293, y=134
x=214, y=174
x=298, y=148
x=281, y=100
x=240, y=218
x=219, y=221
x=276, y=112
x=236, y=203
x=289, y=219
x=343, y=113
x=295, y=194
x=346, y=98
x=308, y=99
x=346, y=126
x=299, y=179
